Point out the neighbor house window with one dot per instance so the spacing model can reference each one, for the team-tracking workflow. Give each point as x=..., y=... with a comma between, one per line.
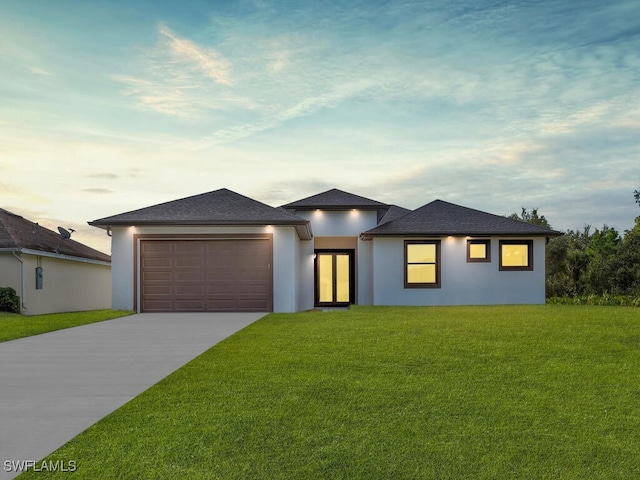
x=516, y=255
x=478, y=250
x=422, y=263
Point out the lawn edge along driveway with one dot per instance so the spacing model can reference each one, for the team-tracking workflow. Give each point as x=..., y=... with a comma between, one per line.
x=57, y=384
x=14, y=326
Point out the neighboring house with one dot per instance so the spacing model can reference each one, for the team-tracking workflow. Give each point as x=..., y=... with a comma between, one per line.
x=51, y=273
x=221, y=251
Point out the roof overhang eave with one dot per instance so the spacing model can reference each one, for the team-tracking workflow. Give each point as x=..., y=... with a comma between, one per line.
x=303, y=227
x=59, y=256
x=307, y=208
x=370, y=236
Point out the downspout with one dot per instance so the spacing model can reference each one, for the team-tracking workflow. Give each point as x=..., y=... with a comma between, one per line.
x=21, y=279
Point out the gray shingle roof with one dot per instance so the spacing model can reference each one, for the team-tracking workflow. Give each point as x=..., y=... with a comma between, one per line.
x=335, y=199
x=18, y=233
x=443, y=218
x=394, y=212
x=220, y=207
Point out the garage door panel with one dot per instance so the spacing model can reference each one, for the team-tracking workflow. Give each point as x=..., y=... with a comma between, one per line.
x=250, y=271
x=189, y=276
x=150, y=290
x=206, y=275
x=223, y=306
x=150, y=248
x=221, y=275
x=157, y=305
x=222, y=261
x=187, y=262
x=227, y=289
x=254, y=291
x=189, y=305
x=190, y=247
x=156, y=276
x=193, y=290
x=255, y=304
x=153, y=262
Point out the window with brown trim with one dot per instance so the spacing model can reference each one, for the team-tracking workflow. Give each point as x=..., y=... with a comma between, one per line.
x=516, y=255
x=478, y=250
x=422, y=264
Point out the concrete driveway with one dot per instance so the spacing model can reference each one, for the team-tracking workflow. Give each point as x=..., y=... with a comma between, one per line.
x=54, y=386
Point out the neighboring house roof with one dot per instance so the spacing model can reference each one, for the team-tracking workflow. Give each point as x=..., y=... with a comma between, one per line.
x=443, y=218
x=220, y=207
x=18, y=233
x=335, y=199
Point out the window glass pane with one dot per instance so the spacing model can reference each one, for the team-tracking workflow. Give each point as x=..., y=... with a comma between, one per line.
x=421, y=274
x=325, y=277
x=515, y=255
x=417, y=253
x=342, y=278
x=477, y=250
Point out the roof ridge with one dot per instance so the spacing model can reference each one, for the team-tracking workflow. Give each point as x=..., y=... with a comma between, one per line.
x=486, y=213
x=440, y=217
x=334, y=198
x=215, y=205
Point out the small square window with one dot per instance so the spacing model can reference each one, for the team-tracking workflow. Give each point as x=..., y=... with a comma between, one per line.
x=478, y=250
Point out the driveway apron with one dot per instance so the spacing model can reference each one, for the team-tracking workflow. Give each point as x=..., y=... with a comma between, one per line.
x=55, y=385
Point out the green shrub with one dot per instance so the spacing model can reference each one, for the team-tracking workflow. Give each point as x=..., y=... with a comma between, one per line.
x=9, y=301
x=605, y=299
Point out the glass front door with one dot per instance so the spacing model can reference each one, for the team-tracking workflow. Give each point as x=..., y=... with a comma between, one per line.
x=334, y=272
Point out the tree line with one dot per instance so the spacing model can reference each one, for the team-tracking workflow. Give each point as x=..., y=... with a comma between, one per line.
x=591, y=261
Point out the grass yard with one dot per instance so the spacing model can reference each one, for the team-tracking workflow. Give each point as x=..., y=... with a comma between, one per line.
x=540, y=392
x=13, y=326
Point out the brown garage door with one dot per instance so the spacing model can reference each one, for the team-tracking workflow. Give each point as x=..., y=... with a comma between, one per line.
x=227, y=275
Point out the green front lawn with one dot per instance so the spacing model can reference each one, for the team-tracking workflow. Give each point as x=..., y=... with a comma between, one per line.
x=383, y=392
x=14, y=326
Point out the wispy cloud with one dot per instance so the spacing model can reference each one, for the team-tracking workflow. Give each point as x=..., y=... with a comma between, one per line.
x=189, y=54
x=97, y=190
x=40, y=71
x=180, y=78
x=103, y=176
x=279, y=115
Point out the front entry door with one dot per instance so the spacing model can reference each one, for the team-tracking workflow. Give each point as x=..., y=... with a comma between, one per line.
x=334, y=278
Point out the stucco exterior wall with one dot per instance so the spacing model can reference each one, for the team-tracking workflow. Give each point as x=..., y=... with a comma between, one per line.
x=9, y=271
x=287, y=296
x=365, y=273
x=304, y=279
x=67, y=285
x=122, y=268
x=349, y=223
x=285, y=272
x=341, y=229
x=462, y=283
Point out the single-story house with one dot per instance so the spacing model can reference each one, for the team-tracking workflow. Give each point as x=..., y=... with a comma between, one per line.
x=222, y=251
x=49, y=272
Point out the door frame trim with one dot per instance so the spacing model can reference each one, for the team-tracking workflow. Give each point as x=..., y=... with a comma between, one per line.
x=316, y=291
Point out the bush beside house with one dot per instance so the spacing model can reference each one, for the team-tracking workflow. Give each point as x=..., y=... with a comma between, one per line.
x=9, y=301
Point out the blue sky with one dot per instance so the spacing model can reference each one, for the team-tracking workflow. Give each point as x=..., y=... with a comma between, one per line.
x=108, y=106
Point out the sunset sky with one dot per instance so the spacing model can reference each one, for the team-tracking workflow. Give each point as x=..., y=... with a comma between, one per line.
x=109, y=106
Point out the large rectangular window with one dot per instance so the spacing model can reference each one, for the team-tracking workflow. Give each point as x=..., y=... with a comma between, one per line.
x=516, y=255
x=422, y=263
x=478, y=250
